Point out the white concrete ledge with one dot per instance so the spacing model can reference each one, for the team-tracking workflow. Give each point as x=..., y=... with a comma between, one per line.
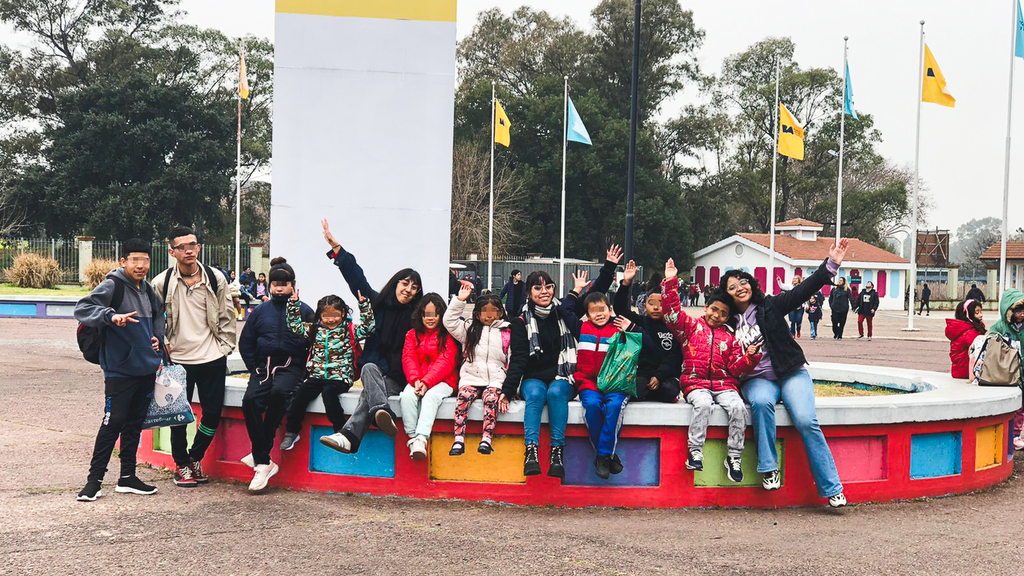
x=940, y=397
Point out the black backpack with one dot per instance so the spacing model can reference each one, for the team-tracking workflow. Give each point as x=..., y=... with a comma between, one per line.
x=90, y=338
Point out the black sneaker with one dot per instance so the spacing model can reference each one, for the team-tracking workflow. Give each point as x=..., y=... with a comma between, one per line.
x=289, y=440
x=458, y=449
x=132, y=485
x=734, y=468
x=601, y=467
x=531, y=461
x=556, y=469
x=695, y=461
x=91, y=492
x=485, y=448
x=615, y=466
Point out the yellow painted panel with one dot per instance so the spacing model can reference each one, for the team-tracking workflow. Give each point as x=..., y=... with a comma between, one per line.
x=429, y=10
x=988, y=448
x=504, y=465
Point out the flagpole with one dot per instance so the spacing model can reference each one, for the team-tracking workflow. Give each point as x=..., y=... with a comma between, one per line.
x=842, y=137
x=1006, y=163
x=565, y=146
x=490, y=217
x=775, y=161
x=912, y=281
x=238, y=178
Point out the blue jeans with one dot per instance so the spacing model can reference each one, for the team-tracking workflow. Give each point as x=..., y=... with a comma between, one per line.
x=814, y=328
x=797, y=392
x=604, y=418
x=556, y=395
x=796, y=320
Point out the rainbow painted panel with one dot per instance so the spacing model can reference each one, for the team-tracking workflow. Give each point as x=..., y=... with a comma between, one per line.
x=935, y=455
x=860, y=458
x=641, y=463
x=376, y=456
x=714, y=473
x=988, y=447
x=504, y=465
x=162, y=437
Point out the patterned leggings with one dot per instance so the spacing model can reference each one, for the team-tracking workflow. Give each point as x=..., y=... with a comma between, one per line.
x=467, y=394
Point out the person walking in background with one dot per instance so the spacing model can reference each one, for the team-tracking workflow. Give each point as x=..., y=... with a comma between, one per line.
x=926, y=295
x=867, y=304
x=975, y=293
x=839, y=301
x=796, y=317
x=513, y=294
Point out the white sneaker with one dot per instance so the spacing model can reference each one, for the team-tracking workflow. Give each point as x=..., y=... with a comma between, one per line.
x=418, y=448
x=337, y=441
x=263, y=474
x=248, y=461
x=837, y=501
x=771, y=480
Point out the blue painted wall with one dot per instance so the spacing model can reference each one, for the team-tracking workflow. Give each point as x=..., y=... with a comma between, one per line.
x=934, y=455
x=376, y=456
x=640, y=457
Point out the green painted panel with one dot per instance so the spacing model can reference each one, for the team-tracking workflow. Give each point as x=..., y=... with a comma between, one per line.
x=714, y=473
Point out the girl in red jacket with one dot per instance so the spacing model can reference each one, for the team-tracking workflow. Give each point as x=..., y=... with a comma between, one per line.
x=430, y=360
x=961, y=331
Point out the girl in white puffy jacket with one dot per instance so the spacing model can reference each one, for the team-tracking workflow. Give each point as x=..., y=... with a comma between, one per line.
x=485, y=343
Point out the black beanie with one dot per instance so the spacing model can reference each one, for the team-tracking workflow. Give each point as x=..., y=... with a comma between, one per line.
x=281, y=271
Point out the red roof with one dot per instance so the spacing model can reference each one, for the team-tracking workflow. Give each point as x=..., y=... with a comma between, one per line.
x=1014, y=251
x=859, y=250
x=800, y=222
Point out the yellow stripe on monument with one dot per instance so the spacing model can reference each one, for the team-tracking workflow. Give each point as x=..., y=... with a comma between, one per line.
x=430, y=10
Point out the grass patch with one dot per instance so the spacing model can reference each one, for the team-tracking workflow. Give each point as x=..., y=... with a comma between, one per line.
x=843, y=390
x=63, y=290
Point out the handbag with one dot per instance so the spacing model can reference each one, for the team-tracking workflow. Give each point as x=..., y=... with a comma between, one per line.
x=998, y=363
x=170, y=405
x=618, y=371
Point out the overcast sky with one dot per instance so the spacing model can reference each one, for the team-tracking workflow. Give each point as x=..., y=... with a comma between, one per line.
x=962, y=148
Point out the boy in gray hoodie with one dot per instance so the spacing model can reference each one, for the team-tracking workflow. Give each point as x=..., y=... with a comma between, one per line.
x=133, y=331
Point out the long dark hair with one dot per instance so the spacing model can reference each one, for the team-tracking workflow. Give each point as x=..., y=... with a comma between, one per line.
x=417, y=319
x=756, y=294
x=965, y=311
x=386, y=297
x=476, y=329
x=331, y=301
x=534, y=279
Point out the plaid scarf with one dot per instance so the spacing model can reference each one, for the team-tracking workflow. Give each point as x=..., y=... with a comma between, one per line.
x=567, y=345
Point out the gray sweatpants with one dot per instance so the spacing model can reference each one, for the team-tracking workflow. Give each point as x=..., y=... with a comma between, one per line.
x=702, y=401
x=374, y=397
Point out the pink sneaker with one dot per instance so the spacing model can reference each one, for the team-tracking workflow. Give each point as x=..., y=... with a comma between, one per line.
x=1018, y=443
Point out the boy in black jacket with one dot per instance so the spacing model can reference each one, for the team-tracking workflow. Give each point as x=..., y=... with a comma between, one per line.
x=867, y=304
x=276, y=359
x=133, y=329
x=661, y=358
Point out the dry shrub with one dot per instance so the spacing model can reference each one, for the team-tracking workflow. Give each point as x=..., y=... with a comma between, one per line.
x=96, y=271
x=33, y=271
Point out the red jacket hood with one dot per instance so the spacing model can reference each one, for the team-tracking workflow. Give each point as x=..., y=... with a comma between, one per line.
x=955, y=328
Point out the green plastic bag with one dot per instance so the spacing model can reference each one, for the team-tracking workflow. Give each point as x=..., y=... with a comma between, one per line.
x=618, y=372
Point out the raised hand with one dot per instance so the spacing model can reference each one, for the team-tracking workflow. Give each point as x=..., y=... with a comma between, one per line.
x=327, y=234
x=360, y=296
x=614, y=253
x=295, y=295
x=670, y=269
x=837, y=253
x=630, y=273
x=465, y=290
x=622, y=323
x=122, y=320
x=580, y=278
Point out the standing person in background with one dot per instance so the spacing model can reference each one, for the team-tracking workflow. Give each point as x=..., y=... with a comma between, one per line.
x=839, y=301
x=975, y=293
x=796, y=317
x=201, y=333
x=867, y=304
x=814, y=315
x=926, y=296
x=513, y=294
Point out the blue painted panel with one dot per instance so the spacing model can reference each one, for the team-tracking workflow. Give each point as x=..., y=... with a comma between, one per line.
x=934, y=455
x=641, y=463
x=17, y=309
x=376, y=456
x=896, y=290
x=868, y=276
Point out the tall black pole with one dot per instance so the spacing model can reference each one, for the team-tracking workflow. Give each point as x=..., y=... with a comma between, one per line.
x=631, y=184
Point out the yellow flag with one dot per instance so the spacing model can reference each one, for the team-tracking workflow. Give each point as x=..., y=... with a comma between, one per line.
x=243, y=82
x=933, y=89
x=501, y=125
x=791, y=135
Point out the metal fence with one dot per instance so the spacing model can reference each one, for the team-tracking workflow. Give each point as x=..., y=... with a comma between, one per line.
x=66, y=253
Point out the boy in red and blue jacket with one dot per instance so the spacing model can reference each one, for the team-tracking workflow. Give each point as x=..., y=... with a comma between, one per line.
x=603, y=411
x=713, y=360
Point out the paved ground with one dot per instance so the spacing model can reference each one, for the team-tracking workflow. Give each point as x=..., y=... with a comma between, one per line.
x=49, y=415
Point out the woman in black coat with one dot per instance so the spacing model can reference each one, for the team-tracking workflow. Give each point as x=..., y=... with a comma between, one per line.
x=839, y=301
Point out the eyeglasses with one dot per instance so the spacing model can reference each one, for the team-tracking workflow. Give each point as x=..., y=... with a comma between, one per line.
x=543, y=287
x=740, y=282
x=188, y=246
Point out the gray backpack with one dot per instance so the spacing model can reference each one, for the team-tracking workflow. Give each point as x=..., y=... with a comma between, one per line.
x=998, y=363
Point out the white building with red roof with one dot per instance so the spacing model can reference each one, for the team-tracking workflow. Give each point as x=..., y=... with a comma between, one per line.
x=798, y=252
x=1014, y=266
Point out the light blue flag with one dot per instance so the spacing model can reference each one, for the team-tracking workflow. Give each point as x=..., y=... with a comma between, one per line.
x=1019, y=50
x=576, y=131
x=848, y=103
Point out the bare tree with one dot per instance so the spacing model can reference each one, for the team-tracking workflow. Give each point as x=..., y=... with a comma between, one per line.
x=470, y=203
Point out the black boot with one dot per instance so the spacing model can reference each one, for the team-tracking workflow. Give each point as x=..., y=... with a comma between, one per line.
x=531, y=462
x=555, y=468
x=601, y=467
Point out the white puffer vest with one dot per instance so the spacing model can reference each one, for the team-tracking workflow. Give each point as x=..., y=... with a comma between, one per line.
x=492, y=353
